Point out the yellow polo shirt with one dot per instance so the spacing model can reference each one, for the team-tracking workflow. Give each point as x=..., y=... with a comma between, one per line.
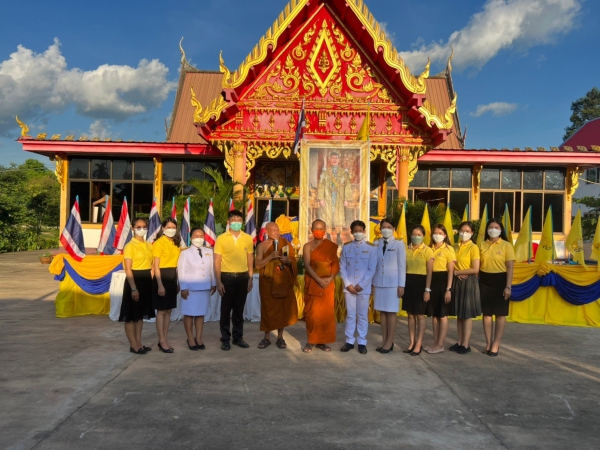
x=494, y=255
x=416, y=259
x=234, y=251
x=441, y=257
x=140, y=254
x=467, y=253
x=167, y=251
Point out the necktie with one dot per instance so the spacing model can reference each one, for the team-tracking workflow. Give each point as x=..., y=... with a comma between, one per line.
x=200, y=251
x=384, y=245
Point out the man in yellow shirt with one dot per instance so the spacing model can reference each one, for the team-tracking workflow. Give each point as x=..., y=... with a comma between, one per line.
x=234, y=263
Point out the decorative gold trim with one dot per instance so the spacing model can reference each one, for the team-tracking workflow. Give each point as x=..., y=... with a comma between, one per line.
x=573, y=174
x=60, y=171
x=24, y=128
x=213, y=110
x=41, y=136
x=430, y=116
x=476, y=179
x=414, y=154
x=55, y=137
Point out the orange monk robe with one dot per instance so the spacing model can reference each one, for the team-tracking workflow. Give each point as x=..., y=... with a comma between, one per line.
x=278, y=305
x=319, y=304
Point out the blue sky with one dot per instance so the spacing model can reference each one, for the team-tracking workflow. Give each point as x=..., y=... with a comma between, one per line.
x=110, y=68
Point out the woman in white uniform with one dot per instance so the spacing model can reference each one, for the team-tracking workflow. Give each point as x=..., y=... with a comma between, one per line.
x=388, y=282
x=197, y=283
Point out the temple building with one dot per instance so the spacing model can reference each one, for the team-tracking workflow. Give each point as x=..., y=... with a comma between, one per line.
x=332, y=58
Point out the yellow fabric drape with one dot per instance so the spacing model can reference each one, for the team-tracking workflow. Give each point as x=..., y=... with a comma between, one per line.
x=91, y=267
x=72, y=301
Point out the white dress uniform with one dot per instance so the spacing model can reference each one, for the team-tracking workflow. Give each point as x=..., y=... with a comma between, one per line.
x=196, y=274
x=357, y=267
x=389, y=275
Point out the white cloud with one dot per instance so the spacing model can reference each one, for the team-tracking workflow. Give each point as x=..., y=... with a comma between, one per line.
x=500, y=25
x=35, y=85
x=100, y=128
x=496, y=108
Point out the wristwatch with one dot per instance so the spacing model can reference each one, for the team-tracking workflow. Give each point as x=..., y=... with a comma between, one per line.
x=427, y=289
x=448, y=289
x=133, y=289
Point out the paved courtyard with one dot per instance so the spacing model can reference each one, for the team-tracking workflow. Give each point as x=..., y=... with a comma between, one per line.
x=72, y=383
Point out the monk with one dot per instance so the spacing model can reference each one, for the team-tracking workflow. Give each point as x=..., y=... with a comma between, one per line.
x=322, y=265
x=276, y=262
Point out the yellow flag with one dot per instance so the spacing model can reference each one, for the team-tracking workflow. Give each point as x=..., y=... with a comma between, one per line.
x=448, y=224
x=466, y=214
x=596, y=245
x=546, y=251
x=401, y=227
x=427, y=225
x=482, y=226
x=506, y=224
x=574, y=242
x=365, y=128
x=523, y=250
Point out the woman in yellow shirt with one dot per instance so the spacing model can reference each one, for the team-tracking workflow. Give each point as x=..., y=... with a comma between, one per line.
x=137, y=291
x=419, y=268
x=440, y=289
x=495, y=283
x=165, y=253
x=465, y=290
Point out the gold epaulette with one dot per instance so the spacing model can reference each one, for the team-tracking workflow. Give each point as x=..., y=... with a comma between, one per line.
x=371, y=244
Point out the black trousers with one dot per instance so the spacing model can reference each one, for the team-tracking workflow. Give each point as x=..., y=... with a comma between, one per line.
x=232, y=305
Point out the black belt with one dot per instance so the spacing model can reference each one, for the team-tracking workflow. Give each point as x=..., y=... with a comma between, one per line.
x=235, y=274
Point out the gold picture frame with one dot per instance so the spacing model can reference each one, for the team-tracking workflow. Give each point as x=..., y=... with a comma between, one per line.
x=321, y=177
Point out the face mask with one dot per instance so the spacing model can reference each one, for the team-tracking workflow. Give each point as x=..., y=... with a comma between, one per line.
x=235, y=226
x=358, y=236
x=387, y=233
x=318, y=234
x=494, y=232
x=438, y=238
x=170, y=232
x=416, y=240
x=142, y=232
x=198, y=242
x=465, y=236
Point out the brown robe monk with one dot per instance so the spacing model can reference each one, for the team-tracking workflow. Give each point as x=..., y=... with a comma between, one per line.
x=278, y=307
x=319, y=304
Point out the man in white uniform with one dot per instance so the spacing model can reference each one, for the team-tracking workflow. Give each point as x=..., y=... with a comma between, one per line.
x=357, y=267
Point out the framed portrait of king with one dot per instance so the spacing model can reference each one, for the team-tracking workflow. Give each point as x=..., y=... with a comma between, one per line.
x=334, y=187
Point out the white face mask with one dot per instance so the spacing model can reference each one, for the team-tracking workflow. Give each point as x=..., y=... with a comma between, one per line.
x=198, y=242
x=170, y=232
x=438, y=238
x=494, y=232
x=387, y=233
x=142, y=232
x=358, y=236
x=465, y=236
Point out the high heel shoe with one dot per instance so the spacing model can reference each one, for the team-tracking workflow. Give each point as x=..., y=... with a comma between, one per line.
x=409, y=350
x=413, y=353
x=165, y=350
x=391, y=349
x=200, y=346
x=192, y=347
x=139, y=351
x=491, y=353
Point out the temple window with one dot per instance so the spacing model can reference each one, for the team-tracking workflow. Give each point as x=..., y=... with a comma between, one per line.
x=178, y=172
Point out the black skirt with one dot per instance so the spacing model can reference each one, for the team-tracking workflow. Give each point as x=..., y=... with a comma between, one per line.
x=465, y=298
x=436, y=307
x=142, y=309
x=412, y=301
x=168, y=276
x=491, y=288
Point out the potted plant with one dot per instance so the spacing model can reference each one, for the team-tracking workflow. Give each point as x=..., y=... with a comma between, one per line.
x=46, y=258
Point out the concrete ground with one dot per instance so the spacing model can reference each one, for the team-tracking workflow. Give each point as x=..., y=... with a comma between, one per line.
x=72, y=383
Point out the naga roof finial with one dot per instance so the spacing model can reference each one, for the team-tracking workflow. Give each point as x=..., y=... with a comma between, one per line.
x=24, y=128
x=449, y=63
x=183, y=58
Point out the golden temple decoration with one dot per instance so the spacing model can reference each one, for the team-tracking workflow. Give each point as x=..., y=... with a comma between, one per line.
x=476, y=179
x=70, y=137
x=41, y=136
x=55, y=137
x=83, y=138
x=352, y=124
x=214, y=110
x=449, y=63
x=60, y=171
x=290, y=79
x=299, y=53
x=348, y=53
x=425, y=73
x=339, y=37
x=337, y=123
x=24, y=128
x=256, y=149
x=567, y=148
x=595, y=148
x=324, y=62
x=573, y=174
x=431, y=116
x=224, y=70
x=414, y=154
x=197, y=106
x=328, y=60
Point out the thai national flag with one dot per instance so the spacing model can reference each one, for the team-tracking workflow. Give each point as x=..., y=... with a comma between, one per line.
x=174, y=210
x=266, y=219
x=300, y=129
x=72, y=235
x=107, y=235
x=210, y=236
x=231, y=208
x=153, y=223
x=123, y=228
x=250, y=221
x=185, y=224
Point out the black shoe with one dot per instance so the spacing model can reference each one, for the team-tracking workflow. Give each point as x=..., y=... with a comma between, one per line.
x=462, y=350
x=240, y=343
x=201, y=346
x=485, y=352
x=454, y=348
x=378, y=349
x=362, y=349
x=347, y=347
x=192, y=347
x=165, y=350
x=139, y=351
x=413, y=353
x=491, y=353
x=225, y=345
x=409, y=350
x=147, y=349
x=391, y=349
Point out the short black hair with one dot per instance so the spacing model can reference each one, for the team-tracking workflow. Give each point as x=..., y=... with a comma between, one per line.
x=137, y=219
x=386, y=220
x=421, y=228
x=358, y=223
x=235, y=213
x=196, y=229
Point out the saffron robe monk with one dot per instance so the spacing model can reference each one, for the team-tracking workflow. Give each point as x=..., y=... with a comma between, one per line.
x=322, y=265
x=276, y=262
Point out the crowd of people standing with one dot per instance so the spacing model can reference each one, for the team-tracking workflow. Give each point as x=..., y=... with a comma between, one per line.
x=434, y=281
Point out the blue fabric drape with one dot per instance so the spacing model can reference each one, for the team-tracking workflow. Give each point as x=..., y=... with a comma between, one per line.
x=94, y=287
x=570, y=292
x=525, y=290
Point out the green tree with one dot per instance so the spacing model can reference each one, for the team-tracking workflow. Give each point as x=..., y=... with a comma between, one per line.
x=584, y=109
x=589, y=222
